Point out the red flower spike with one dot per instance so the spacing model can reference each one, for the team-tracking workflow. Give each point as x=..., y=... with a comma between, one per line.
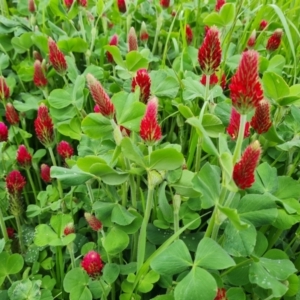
x=144, y=36
x=39, y=77
x=213, y=79
x=3, y=132
x=4, y=89
x=113, y=42
x=94, y=223
x=24, y=158
x=10, y=232
x=165, y=3
x=57, y=58
x=234, y=125
x=221, y=294
x=261, y=121
x=223, y=82
x=43, y=126
x=274, y=40
x=188, y=34
x=45, y=173
x=245, y=89
x=100, y=97
x=11, y=114
x=263, y=24
x=121, y=6
x=68, y=3
x=15, y=183
x=219, y=4
x=243, y=172
x=209, y=54
x=132, y=40
x=150, y=130
x=65, y=150
x=206, y=29
x=252, y=39
x=92, y=264
x=82, y=3
x=31, y=6
x=142, y=79
x=69, y=228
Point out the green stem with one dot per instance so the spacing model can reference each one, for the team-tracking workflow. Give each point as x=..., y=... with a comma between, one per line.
x=273, y=237
x=239, y=142
x=60, y=265
x=82, y=29
x=143, y=231
x=19, y=228
x=234, y=267
x=90, y=192
x=71, y=252
x=294, y=166
x=31, y=184
x=176, y=208
x=159, y=20
x=3, y=227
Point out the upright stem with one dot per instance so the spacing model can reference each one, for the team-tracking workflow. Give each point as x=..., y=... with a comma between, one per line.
x=239, y=142
x=90, y=192
x=20, y=234
x=82, y=30
x=176, y=205
x=3, y=227
x=71, y=252
x=31, y=184
x=157, y=31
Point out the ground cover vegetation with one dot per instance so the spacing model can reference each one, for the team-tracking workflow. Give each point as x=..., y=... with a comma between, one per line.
x=149, y=150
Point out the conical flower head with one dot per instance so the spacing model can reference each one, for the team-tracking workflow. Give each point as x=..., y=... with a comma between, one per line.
x=252, y=39
x=56, y=57
x=45, y=173
x=132, y=40
x=150, y=130
x=94, y=223
x=274, y=40
x=113, y=42
x=37, y=56
x=223, y=82
x=3, y=132
x=263, y=24
x=15, y=183
x=65, y=150
x=11, y=114
x=142, y=79
x=100, y=97
x=219, y=4
x=221, y=294
x=188, y=34
x=39, y=77
x=213, y=79
x=4, y=89
x=165, y=3
x=69, y=228
x=121, y=6
x=144, y=36
x=92, y=264
x=234, y=125
x=209, y=54
x=82, y=3
x=243, y=172
x=43, y=126
x=24, y=158
x=261, y=121
x=245, y=88
x=31, y=6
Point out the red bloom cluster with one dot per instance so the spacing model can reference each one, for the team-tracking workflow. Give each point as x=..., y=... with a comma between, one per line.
x=245, y=89
x=92, y=264
x=150, y=130
x=213, y=79
x=144, y=36
x=69, y=229
x=56, y=57
x=15, y=183
x=274, y=40
x=11, y=114
x=31, y=6
x=219, y=4
x=188, y=34
x=100, y=97
x=3, y=132
x=65, y=150
x=252, y=39
x=142, y=79
x=4, y=89
x=43, y=126
x=24, y=158
x=94, y=223
x=82, y=3
x=113, y=42
x=221, y=295
x=68, y=3
x=45, y=173
x=132, y=40
x=243, y=172
x=234, y=125
x=261, y=121
x=263, y=24
x=121, y=6
x=165, y=3
x=209, y=54
x=10, y=232
x=39, y=77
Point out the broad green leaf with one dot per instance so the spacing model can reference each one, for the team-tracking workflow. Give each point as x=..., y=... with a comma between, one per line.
x=111, y=272
x=289, y=145
x=22, y=43
x=213, y=18
x=132, y=152
x=236, y=293
x=192, y=89
x=212, y=125
x=59, y=222
x=59, y=98
x=287, y=188
x=10, y=264
x=234, y=217
x=198, y=284
x=274, y=86
x=175, y=259
x=25, y=289
x=121, y=216
x=116, y=54
x=227, y=13
x=284, y=220
x=135, y=61
x=163, y=203
x=71, y=128
x=276, y=64
x=164, y=83
x=85, y=163
x=185, y=111
x=44, y=234
x=116, y=241
x=165, y=159
x=73, y=45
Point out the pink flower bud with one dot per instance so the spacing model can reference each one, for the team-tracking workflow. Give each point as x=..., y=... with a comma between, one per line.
x=24, y=158
x=252, y=39
x=144, y=36
x=65, y=150
x=165, y=3
x=45, y=173
x=261, y=121
x=188, y=34
x=219, y=4
x=3, y=132
x=263, y=24
x=234, y=125
x=39, y=77
x=221, y=294
x=92, y=264
x=4, y=89
x=94, y=223
x=31, y=6
x=142, y=79
x=132, y=40
x=10, y=232
x=274, y=40
x=113, y=42
x=57, y=58
x=121, y=6
x=11, y=114
x=15, y=183
x=69, y=228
